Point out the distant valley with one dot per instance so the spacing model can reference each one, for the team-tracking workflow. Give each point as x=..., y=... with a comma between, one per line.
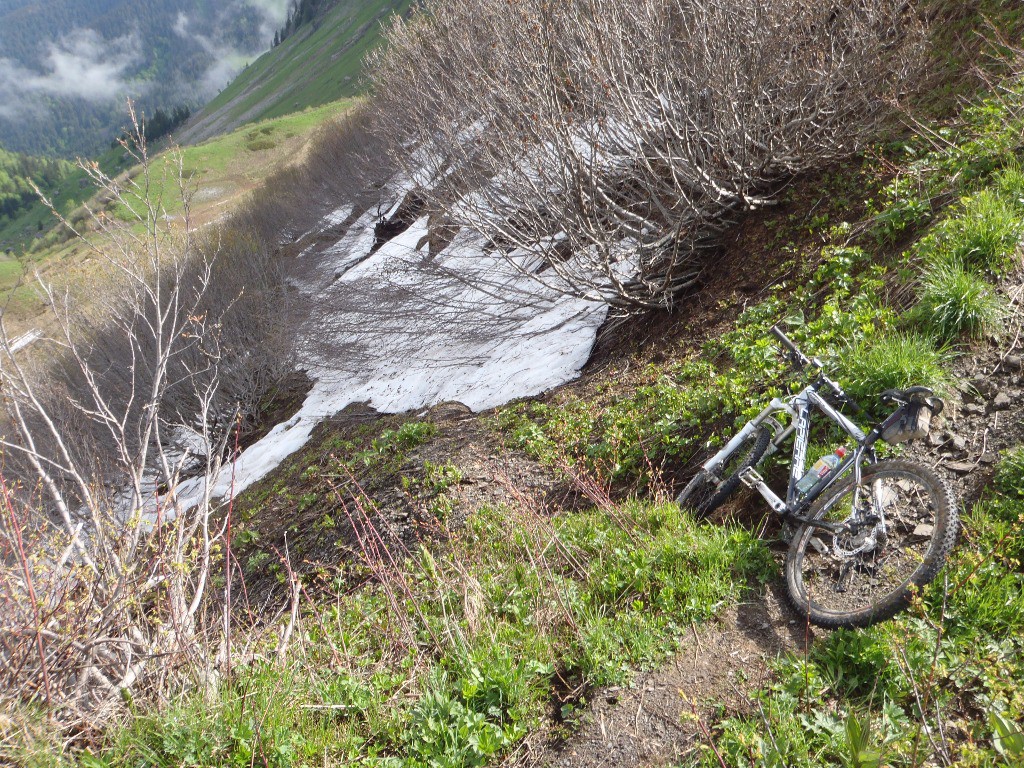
x=67, y=67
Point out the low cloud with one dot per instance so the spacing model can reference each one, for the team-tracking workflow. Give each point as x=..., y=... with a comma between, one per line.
x=274, y=12
x=228, y=60
x=81, y=65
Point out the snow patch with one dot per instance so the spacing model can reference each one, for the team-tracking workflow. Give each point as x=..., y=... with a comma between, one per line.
x=402, y=329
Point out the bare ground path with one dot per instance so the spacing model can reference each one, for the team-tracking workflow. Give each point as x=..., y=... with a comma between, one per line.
x=660, y=718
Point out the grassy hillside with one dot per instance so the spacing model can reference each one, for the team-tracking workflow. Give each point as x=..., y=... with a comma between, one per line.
x=19, y=174
x=494, y=634
x=320, y=62
x=220, y=173
x=224, y=168
x=455, y=590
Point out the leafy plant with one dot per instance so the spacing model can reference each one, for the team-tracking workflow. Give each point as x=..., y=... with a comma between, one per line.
x=860, y=751
x=448, y=731
x=903, y=205
x=1008, y=738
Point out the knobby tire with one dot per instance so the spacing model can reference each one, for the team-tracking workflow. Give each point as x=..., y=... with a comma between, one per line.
x=834, y=589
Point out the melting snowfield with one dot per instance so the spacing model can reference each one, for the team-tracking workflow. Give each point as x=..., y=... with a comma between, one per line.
x=402, y=329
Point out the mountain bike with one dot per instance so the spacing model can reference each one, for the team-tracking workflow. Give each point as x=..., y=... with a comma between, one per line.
x=869, y=532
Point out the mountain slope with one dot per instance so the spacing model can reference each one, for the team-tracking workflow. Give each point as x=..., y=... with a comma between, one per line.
x=67, y=66
x=318, y=63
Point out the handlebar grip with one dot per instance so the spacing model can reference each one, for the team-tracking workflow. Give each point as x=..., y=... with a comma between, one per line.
x=798, y=357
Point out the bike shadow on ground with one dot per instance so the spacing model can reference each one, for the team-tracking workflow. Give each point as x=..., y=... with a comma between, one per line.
x=767, y=618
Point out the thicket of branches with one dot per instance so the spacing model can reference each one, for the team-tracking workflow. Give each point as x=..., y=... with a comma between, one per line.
x=615, y=140
x=118, y=421
x=345, y=163
x=106, y=566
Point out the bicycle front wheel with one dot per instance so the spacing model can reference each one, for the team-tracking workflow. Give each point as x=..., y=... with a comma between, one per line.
x=703, y=494
x=868, y=574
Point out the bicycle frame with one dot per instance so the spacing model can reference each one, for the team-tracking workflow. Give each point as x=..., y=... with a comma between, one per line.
x=799, y=409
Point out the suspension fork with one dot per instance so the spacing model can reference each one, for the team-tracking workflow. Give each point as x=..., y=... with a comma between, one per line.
x=714, y=464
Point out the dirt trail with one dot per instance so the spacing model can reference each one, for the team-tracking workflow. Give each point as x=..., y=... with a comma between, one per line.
x=659, y=719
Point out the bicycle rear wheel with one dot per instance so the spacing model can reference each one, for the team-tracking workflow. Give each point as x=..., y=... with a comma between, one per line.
x=704, y=494
x=834, y=585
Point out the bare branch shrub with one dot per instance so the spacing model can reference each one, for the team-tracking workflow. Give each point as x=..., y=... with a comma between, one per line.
x=345, y=162
x=614, y=141
x=105, y=568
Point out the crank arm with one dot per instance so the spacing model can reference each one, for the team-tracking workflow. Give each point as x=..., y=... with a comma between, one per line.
x=750, y=478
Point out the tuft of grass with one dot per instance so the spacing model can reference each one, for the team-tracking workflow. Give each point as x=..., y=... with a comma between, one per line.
x=984, y=235
x=955, y=301
x=259, y=145
x=895, y=360
x=29, y=740
x=1010, y=183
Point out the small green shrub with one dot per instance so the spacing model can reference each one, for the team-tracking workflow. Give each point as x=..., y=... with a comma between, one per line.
x=258, y=145
x=450, y=729
x=894, y=360
x=903, y=205
x=410, y=435
x=632, y=433
x=1010, y=473
x=957, y=302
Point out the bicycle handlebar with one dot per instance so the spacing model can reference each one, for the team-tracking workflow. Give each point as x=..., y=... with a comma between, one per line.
x=799, y=358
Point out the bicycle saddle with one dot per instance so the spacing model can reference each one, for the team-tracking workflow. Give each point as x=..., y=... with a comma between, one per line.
x=922, y=395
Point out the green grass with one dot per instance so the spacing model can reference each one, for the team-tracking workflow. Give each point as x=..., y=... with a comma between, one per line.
x=453, y=656
x=219, y=161
x=985, y=234
x=1010, y=474
x=318, y=64
x=894, y=361
x=11, y=272
x=1009, y=183
x=35, y=228
x=955, y=303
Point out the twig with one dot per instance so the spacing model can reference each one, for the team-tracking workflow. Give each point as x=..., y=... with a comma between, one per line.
x=707, y=734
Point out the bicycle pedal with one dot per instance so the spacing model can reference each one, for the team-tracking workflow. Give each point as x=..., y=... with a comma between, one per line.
x=750, y=478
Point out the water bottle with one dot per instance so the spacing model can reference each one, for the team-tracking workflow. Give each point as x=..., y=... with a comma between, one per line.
x=821, y=467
